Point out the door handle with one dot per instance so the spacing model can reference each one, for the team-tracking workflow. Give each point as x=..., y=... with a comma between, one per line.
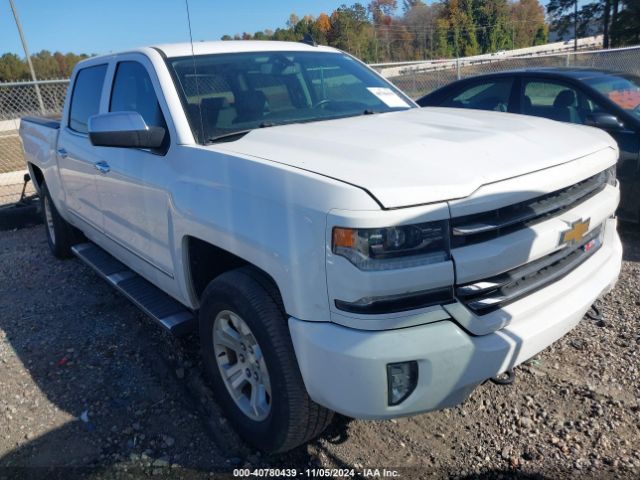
x=102, y=167
x=63, y=153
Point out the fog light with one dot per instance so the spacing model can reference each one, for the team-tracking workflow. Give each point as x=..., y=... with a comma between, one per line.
x=402, y=379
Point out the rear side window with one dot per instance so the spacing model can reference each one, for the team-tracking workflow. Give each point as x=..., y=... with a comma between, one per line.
x=555, y=100
x=133, y=92
x=85, y=100
x=488, y=95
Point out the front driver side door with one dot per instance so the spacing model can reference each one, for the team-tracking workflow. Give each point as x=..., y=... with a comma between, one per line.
x=487, y=94
x=134, y=191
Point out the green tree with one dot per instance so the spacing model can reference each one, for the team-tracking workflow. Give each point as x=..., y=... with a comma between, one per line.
x=625, y=27
x=421, y=22
x=352, y=31
x=12, y=68
x=603, y=13
x=527, y=23
x=491, y=19
x=45, y=64
x=461, y=27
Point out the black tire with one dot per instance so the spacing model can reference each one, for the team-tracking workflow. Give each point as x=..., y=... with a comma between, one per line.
x=61, y=236
x=293, y=418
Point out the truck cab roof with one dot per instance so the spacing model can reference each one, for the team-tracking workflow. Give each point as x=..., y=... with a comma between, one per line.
x=236, y=46
x=184, y=49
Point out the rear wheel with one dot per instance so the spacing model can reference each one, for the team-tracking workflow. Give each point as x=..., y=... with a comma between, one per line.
x=249, y=357
x=61, y=236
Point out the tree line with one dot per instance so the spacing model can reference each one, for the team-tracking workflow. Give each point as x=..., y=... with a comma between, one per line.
x=376, y=32
x=617, y=20
x=47, y=65
x=386, y=30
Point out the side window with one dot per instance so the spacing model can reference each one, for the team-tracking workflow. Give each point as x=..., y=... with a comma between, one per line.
x=487, y=95
x=555, y=100
x=85, y=99
x=133, y=91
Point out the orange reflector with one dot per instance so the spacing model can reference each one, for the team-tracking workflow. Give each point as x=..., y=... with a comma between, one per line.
x=344, y=237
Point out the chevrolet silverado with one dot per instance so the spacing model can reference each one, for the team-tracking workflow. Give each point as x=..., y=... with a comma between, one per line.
x=336, y=248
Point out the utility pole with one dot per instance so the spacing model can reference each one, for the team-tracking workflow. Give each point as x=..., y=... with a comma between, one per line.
x=606, y=21
x=457, y=57
x=26, y=52
x=575, y=26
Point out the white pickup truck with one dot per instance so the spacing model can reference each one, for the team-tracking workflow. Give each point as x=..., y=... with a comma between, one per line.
x=337, y=248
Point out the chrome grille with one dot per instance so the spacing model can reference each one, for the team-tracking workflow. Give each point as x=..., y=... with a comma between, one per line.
x=484, y=226
x=486, y=295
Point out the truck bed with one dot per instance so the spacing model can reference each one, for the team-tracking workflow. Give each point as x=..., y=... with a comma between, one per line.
x=49, y=122
x=39, y=139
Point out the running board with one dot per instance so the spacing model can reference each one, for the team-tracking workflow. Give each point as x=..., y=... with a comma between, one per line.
x=168, y=312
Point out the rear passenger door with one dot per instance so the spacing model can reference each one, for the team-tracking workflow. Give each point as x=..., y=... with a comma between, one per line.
x=554, y=99
x=76, y=156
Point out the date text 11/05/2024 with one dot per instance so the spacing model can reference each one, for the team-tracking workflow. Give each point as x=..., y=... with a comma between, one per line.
x=316, y=472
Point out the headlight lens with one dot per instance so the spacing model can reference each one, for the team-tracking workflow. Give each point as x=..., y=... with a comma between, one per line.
x=393, y=247
x=611, y=175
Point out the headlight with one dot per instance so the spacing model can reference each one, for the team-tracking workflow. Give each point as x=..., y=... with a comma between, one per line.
x=610, y=174
x=393, y=247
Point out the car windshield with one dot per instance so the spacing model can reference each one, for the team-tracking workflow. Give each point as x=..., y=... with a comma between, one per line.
x=623, y=90
x=226, y=95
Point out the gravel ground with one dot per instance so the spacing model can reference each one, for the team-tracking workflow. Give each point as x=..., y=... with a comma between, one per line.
x=87, y=381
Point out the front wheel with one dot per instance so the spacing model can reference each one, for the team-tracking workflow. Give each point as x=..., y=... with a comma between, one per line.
x=249, y=357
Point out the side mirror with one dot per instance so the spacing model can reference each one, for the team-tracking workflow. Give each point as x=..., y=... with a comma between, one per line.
x=124, y=129
x=605, y=121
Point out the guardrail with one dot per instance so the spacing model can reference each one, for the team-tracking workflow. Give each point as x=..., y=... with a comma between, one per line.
x=419, y=79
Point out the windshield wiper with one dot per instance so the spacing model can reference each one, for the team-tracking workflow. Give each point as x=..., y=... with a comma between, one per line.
x=229, y=137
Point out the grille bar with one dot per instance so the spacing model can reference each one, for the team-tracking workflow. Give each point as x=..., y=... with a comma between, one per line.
x=488, y=294
x=483, y=226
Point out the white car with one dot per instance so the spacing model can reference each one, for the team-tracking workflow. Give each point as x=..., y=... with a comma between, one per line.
x=338, y=248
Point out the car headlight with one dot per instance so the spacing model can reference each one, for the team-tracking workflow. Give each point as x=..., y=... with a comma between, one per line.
x=610, y=174
x=402, y=246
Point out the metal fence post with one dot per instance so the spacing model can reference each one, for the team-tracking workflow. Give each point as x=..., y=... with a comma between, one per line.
x=26, y=52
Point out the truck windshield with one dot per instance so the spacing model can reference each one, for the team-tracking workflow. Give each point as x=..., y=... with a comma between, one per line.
x=226, y=95
x=624, y=90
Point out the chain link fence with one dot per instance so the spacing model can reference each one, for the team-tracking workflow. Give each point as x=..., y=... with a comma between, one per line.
x=20, y=99
x=419, y=79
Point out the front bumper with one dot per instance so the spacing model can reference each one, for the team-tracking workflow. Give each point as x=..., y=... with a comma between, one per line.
x=345, y=369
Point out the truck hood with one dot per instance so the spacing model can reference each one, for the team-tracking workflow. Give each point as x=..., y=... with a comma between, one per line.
x=423, y=155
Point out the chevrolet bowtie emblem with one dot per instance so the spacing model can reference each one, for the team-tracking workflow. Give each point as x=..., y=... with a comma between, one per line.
x=576, y=232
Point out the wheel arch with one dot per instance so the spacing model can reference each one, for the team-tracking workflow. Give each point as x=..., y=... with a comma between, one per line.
x=205, y=261
x=37, y=177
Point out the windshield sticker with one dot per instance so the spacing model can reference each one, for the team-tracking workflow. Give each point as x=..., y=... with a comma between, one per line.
x=388, y=97
x=627, y=99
